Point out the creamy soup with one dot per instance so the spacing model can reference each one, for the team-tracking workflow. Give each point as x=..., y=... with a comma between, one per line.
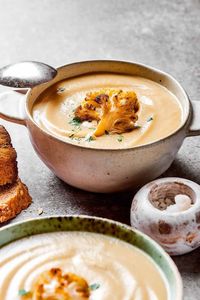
x=158, y=116
x=111, y=268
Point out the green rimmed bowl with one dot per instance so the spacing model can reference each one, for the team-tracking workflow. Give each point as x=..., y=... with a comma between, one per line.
x=123, y=232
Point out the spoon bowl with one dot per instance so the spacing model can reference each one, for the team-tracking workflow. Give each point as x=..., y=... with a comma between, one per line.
x=26, y=74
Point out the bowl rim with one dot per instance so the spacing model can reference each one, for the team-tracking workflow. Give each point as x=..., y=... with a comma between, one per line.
x=170, y=262
x=145, y=146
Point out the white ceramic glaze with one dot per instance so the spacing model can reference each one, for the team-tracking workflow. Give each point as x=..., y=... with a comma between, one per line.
x=177, y=232
x=105, y=170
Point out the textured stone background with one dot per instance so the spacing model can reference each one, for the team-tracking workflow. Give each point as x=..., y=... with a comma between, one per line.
x=164, y=34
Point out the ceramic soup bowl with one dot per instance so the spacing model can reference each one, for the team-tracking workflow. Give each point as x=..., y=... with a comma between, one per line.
x=106, y=227
x=103, y=170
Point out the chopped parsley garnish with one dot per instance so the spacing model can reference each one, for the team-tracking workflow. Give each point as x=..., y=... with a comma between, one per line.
x=60, y=90
x=150, y=119
x=77, y=139
x=23, y=292
x=94, y=286
x=90, y=138
x=120, y=138
x=75, y=121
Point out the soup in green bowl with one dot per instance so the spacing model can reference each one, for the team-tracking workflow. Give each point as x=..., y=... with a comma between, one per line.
x=82, y=257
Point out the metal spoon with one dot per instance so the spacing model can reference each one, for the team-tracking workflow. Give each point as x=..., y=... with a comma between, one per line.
x=26, y=74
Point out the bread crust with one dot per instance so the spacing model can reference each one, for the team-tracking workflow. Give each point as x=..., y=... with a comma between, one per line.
x=8, y=156
x=13, y=199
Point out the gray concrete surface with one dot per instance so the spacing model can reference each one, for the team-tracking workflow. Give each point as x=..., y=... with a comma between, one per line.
x=164, y=34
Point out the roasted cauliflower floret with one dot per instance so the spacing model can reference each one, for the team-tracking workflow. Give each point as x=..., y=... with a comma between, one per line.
x=54, y=285
x=91, y=107
x=115, y=111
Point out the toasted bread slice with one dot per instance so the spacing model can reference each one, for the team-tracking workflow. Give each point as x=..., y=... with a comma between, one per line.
x=13, y=198
x=8, y=155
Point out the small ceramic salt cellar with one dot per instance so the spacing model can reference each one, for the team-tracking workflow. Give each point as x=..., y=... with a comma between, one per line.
x=168, y=210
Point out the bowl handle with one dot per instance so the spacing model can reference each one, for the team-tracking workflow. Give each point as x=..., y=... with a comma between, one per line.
x=194, y=128
x=12, y=107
